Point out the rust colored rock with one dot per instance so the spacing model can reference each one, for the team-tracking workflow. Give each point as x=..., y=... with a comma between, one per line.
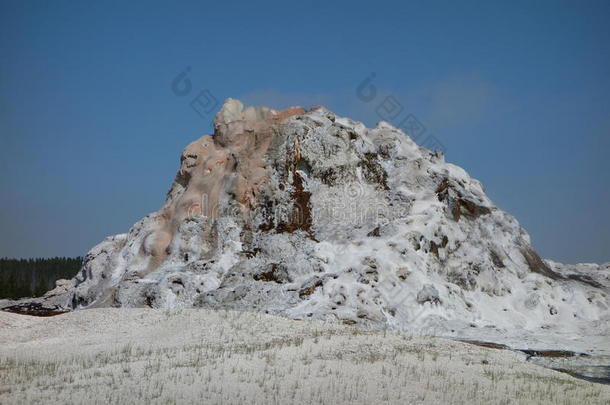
x=230, y=165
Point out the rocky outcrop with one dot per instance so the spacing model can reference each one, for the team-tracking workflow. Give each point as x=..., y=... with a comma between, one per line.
x=310, y=215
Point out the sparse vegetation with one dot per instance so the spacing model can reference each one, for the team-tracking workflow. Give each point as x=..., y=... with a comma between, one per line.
x=197, y=356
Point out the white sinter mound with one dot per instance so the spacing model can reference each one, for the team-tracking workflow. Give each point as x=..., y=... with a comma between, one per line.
x=312, y=216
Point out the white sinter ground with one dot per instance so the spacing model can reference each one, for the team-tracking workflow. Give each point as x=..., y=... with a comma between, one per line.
x=149, y=356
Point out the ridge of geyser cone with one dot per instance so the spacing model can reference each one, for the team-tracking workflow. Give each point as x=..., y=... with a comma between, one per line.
x=309, y=215
x=218, y=173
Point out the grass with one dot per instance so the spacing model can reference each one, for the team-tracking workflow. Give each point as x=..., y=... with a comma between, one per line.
x=198, y=356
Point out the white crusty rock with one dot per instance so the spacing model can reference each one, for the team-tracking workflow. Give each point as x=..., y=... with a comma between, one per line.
x=314, y=216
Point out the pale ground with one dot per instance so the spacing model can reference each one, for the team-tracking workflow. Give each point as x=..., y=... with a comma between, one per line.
x=143, y=356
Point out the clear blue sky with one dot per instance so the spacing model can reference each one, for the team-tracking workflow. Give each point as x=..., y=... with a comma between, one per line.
x=518, y=93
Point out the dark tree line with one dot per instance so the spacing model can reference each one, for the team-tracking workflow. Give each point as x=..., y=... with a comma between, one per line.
x=33, y=277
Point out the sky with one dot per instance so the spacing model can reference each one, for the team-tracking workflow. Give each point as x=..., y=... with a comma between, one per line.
x=91, y=127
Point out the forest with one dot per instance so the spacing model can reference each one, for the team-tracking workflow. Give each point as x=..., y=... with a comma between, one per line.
x=33, y=277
